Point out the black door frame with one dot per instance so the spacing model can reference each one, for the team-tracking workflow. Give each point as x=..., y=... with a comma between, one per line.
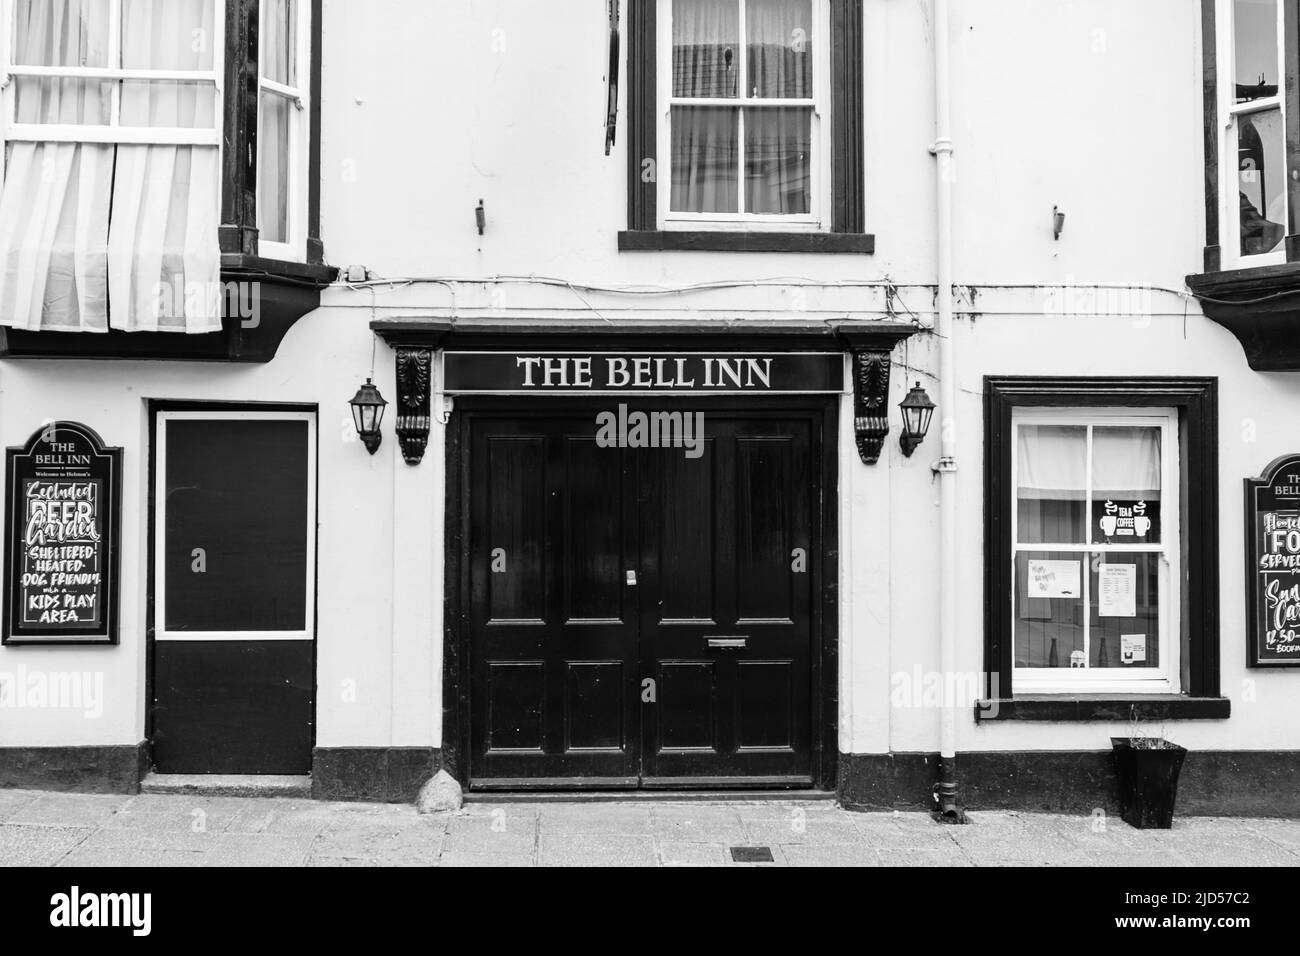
x=825, y=411
x=152, y=408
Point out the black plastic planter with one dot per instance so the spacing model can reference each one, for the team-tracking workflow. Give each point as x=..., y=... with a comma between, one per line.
x=1148, y=782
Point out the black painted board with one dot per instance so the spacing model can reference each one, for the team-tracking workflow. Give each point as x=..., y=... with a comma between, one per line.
x=233, y=707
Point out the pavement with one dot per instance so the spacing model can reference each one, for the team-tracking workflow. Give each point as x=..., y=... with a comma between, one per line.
x=55, y=829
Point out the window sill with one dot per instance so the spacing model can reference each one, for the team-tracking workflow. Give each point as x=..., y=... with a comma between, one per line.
x=1261, y=307
x=1104, y=707
x=680, y=240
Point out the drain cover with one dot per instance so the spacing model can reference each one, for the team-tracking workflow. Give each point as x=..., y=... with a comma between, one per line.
x=751, y=854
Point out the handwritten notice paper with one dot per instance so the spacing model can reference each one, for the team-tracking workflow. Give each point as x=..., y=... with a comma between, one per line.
x=1054, y=579
x=1117, y=590
x=62, y=514
x=1273, y=564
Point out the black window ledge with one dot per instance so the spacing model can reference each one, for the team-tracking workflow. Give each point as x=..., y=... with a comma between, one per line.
x=1261, y=307
x=677, y=240
x=282, y=293
x=1112, y=707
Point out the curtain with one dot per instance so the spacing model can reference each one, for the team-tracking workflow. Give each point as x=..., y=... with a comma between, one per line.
x=1126, y=463
x=98, y=236
x=780, y=49
x=705, y=140
x=55, y=205
x=778, y=151
x=705, y=157
x=165, y=263
x=706, y=48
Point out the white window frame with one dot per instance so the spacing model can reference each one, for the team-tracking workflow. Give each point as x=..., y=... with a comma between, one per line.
x=295, y=248
x=1229, y=124
x=160, y=528
x=1166, y=678
x=817, y=218
x=11, y=131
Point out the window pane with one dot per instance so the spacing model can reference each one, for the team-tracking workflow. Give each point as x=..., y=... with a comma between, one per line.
x=168, y=34
x=49, y=99
x=279, y=48
x=61, y=32
x=1261, y=164
x=780, y=48
x=1049, y=610
x=1125, y=631
x=165, y=104
x=1255, y=48
x=273, y=168
x=253, y=535
x=706, y=44
x=778, y=150
x=1126, y=485
x=1052, y=462
x=705, y=159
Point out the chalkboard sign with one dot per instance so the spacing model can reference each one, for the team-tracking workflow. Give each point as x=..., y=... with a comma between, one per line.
x=1273, y=565
x=62, y=516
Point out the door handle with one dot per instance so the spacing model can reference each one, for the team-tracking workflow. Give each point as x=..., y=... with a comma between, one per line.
x=728, y=643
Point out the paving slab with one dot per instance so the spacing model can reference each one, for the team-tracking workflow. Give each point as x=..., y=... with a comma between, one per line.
x=38, y=845
x=693, y=854
x=583, y=849
x=605, y=818
x=70, y=809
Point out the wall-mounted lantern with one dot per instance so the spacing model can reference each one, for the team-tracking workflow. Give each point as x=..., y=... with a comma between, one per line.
x=368, y=415
x=1058, y=222
x=917, y=410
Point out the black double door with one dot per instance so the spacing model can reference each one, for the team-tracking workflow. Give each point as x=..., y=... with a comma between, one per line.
x=638, y=617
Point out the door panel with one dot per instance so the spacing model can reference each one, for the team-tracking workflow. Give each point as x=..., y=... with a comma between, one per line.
x=579, y=675
x=552, y=622
x=752, y=716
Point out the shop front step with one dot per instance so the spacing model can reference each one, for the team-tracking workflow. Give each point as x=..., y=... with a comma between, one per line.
x=227, y=785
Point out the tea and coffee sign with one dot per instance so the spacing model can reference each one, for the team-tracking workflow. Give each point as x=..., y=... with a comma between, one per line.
x=62, y=518
x=1273, y=564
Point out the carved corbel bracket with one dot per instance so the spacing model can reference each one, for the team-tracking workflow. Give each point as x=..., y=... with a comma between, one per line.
x=871, y=401
x=414, y=402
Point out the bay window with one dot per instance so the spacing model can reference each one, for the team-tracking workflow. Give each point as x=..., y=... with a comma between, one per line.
x=133, y=186
x=111, y=165
x=1101, y=563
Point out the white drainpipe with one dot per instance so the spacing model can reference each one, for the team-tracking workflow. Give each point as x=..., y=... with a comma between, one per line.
x=946, y=793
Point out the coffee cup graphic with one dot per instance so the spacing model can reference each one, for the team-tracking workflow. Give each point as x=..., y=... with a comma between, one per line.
x=1142, y=526
x=1108, y=525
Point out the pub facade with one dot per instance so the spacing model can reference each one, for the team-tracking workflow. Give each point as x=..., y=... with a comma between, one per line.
x=678, y=395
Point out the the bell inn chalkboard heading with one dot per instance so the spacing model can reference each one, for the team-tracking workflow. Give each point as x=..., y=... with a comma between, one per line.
x=1273, y=565
x=62, y=516
x=623, y=373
